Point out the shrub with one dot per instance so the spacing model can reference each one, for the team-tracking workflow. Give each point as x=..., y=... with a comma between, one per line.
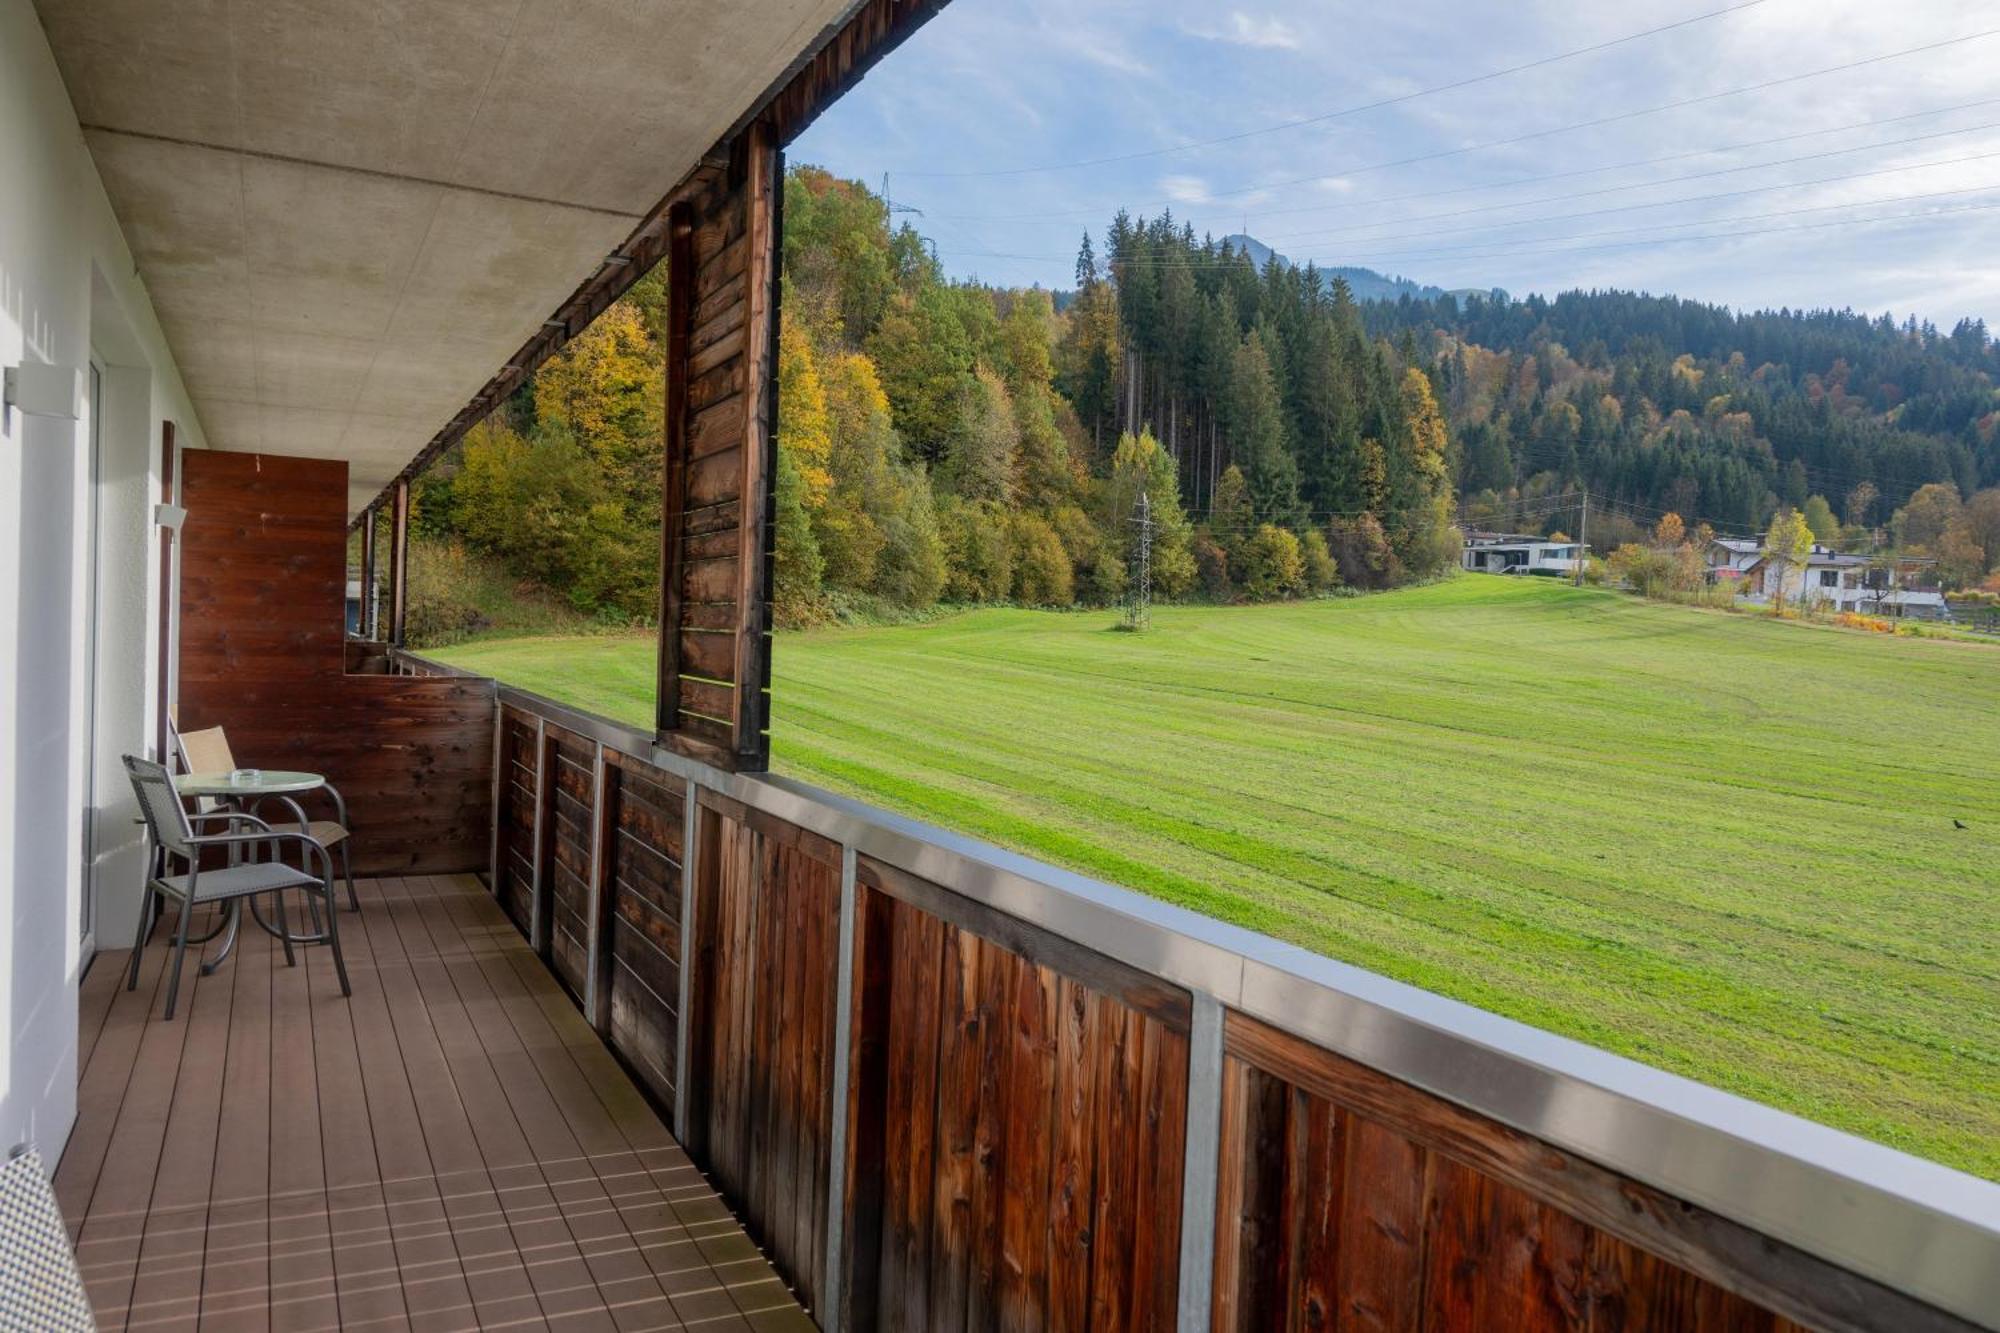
x=1273, y=566
x=1211, y=564
x=442, y=607
x=1321, y=573
x=979, y=565
x=1362, y=553
x=1042, y=575
x=1873, y=624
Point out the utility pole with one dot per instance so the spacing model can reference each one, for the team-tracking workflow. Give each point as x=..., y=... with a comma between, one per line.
x=1139, y=603
x=1582, y=543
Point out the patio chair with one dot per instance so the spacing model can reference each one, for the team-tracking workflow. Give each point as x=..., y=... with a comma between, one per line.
x=207, y=751
x=173, y=830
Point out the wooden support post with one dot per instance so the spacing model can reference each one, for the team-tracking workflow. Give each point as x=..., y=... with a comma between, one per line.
x=163, y=727
x=757, y=518
x=690, y=868
x=539, y=889
x=720, y=460
x=674, y=466
x=399, y=561
x=365, y=623
x=597, y=980
x=833, y=1313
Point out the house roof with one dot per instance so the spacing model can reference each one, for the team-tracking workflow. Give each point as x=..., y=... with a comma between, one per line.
x=350, y=215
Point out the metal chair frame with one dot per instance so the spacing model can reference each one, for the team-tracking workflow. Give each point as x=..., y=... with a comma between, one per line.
x=183, y=841
x=339, y=817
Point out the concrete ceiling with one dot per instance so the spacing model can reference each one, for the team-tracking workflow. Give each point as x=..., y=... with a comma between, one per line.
x=350, y=213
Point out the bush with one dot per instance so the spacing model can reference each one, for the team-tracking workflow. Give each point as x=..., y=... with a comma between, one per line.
x=1273, y=564
x=1211, y=564
x=1873, y=624
x=442, y=607
x=1042, y=575
x=1322, y=575
x=1362, y=553
x=979, y=560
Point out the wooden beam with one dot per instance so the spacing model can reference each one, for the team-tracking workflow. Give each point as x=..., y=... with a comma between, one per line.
x=162, y=730
x=365, y=623
x=756, y=518
x=673, y=464
x=399, y=561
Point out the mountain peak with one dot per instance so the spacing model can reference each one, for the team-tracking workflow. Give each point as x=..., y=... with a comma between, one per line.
x=1365, y=283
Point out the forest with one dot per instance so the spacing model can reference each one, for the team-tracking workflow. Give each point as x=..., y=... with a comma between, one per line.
x=945, y=441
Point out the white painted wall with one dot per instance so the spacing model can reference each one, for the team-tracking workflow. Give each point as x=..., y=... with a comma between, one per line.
x=67, y=285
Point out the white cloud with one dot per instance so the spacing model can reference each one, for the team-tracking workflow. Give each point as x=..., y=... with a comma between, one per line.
x=1184, y=189
x=1248, y=30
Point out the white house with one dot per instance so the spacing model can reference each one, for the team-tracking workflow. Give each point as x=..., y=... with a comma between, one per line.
x=1858, y=583
x=1501, y=553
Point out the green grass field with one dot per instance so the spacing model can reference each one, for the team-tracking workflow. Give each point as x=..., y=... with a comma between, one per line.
x=1717, y=844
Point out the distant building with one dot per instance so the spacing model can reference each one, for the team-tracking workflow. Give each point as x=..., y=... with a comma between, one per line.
x=1505, y=553
x=1731, y=557
x=1868, y=585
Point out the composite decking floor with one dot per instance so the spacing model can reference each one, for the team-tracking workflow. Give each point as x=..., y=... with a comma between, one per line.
x=452, y=1148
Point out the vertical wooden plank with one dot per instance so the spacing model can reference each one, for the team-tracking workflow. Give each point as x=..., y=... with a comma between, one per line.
x=1320, y=1238
x=1075, y=1155
x=1118, y=1177
x=673, y=465
x=164, y=666
x=399, y=561
x=959, y=1033
x=999, y=972
x=763, y=195
x=1381, y=1229
x=1498, y=1259
x=364, y=624
x=540, y=891
x=603, y=828
x=912, y=1105
x=1232, y=1186
x=1025, y=1208
x=1156, y=1248
x=864, y=1201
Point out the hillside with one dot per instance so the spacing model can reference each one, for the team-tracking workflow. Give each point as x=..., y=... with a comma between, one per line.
x=1719, y=844
x=1365, y=283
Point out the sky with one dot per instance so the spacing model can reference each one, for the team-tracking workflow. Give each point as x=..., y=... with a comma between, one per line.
x=1693, y=147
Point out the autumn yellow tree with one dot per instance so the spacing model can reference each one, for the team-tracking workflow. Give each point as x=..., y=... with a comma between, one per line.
x=1669, y=532
x=606, y=388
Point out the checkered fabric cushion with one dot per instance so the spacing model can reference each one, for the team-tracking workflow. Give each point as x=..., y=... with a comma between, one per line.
x=40, y=1289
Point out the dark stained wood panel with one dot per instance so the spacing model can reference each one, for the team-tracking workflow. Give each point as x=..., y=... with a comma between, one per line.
x=761, y=1036
x=714, y=673
x=641, y=872
x=1025, y=1168
x=1347, y=1199
x=520, y=797
x=263, y=654
x=568, y=832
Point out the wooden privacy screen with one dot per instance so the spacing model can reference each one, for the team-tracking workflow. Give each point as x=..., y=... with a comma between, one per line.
x=1019, y=1111
x=760, y=1052
x=715, y=622
x=1347, y=1199
x=263, y=654
x=640, y=985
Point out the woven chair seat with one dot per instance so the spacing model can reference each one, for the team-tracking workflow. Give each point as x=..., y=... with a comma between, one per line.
x=322, y=831
x=236, y=881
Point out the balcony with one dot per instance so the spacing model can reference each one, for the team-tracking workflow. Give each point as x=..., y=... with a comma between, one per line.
x=642, y=1038
x=453, y=1148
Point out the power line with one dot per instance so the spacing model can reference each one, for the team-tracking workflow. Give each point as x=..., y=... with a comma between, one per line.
x=1101, y=209
x=1301, y=122
x=1655, y=184
x=1507, y=249
x=1494, y=143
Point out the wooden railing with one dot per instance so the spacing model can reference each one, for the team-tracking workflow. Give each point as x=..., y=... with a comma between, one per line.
x=948, y=1087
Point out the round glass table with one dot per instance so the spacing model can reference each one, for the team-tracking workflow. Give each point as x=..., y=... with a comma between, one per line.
x=244, y=788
